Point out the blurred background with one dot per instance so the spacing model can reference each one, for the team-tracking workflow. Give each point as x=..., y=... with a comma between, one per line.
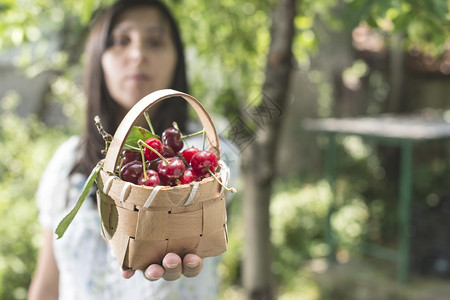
x=346, y=58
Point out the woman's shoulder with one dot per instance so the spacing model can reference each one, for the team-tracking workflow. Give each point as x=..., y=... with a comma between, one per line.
x=70, y=145
x=65, y=154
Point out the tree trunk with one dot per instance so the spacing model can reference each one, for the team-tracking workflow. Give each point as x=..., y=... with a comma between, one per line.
x=259, y=156
x=396, y=74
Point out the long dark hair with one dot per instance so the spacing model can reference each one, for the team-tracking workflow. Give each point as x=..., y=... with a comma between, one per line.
x=100, y=102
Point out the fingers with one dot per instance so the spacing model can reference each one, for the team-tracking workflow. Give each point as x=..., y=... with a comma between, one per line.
x=154, y=272
x=127, y=274
x=192, y=265
x=172, y=267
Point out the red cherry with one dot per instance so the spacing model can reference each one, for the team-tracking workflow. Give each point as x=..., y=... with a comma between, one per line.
x=130, y=155
x=188, y=153
x=131, y=171
x=168, y=182
x=173, y=170
x=154, y=164
x=189, y=176
x=168, y=151
x=203, y=161
x=155, y=144
x=152, y=178
x=206, y=175
x=172, y=137
x=179, y=156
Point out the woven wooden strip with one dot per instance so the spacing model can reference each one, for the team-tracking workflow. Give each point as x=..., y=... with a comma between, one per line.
x=127, y=220
x=119, y=245
x=109, y=200
x=186, y=224
x=192, y=207
x=152, y=225
x=213, y=244
x=214, y=215
x=183, y=246
x=167, y=196
x=108, y=215
x=143, y=253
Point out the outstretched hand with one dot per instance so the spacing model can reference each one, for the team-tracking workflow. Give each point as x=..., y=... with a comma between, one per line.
x=172, y=268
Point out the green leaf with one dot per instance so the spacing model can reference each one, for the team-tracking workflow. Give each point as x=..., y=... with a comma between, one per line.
x=137, y=133
x=65, y=222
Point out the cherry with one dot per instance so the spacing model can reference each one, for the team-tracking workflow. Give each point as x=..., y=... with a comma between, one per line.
x=166, y=165
x=206, y=175
x=154, y=164
x=172, y=137
x=152, y=178
x=168, y=151
x=173, y=170
x=203, y=161
x=168, y=182
x=189, y=176
x=130, y=155
x=131, y=171
x=188, y=153
x=155, y=144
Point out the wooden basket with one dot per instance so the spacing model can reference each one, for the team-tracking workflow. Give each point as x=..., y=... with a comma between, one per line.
x=142, y=224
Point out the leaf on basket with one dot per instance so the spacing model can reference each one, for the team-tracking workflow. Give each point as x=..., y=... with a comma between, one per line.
x=137, y=133
x=65, y=222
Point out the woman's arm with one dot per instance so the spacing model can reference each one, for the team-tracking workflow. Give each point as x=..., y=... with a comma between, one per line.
x=45, y=280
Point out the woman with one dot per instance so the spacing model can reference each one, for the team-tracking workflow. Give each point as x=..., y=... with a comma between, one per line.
x=134, y=48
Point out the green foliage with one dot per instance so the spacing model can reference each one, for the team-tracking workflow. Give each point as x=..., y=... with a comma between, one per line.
x=137, y=133
x=424, y=24
x=218, y=37
x=230, y=265
x=26, y=146
x=45, y=31
x=227, y=42
x=298, y=218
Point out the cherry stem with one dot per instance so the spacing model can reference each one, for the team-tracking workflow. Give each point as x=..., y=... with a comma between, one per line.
x=106, y=136
x=193, y=134
x=133, y=148
x=147, y=118
x=120, y=166
x=175, y=125
x=232, y=190
x=204, y=139
x=144, y=169
x=142, y=143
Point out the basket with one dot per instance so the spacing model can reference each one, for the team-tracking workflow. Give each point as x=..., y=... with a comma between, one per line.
x=142, y=224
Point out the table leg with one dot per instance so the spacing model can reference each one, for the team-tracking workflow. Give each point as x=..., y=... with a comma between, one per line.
x=331, y=178
x=405, y=210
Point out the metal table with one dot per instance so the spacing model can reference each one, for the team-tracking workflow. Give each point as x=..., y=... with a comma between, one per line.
x=398, y=130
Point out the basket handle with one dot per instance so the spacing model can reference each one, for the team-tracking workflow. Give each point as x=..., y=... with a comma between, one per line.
x=133, y=114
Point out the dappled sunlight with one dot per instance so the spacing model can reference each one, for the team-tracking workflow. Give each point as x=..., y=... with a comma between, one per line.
x=355, y=147
x=349, y=221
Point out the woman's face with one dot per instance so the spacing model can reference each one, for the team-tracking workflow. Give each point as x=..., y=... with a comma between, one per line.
x=141, y=57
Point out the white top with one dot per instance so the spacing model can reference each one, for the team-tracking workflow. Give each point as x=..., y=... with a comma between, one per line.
x=87, y=267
